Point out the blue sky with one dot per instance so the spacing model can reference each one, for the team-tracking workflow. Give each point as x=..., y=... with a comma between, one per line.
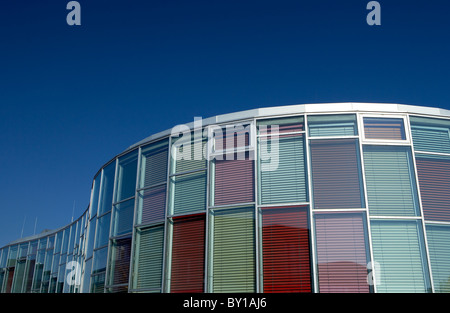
x=72, y=97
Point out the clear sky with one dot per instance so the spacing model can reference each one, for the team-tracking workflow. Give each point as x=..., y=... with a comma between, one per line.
x=72, y=97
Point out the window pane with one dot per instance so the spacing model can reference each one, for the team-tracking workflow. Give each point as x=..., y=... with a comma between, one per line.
x=431, y=135
x=149, y=259
x=332, y=125
x=154, y=164
x=399, y=250
x=283, y=125
x=187, y=155
x=390, y=180
x=102, y=234
x=342, y=252
x=188, y=254
x=336, y=174
x=438, y=237
x=91, y=237
x=188, y=193
x=152, y=204
x=119, y=265
x=384, y=128
x=282, y=169
x=107, y=188
x=233, y=250
x=234, y=180
x=286, y=252
x=434, y=181
x=93, y=207
x=98, y=283
x=232, y=137
x=123, y=217
x=100, y=259
x=126, y=176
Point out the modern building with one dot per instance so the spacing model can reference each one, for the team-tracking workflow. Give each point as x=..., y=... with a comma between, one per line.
x=340, y=197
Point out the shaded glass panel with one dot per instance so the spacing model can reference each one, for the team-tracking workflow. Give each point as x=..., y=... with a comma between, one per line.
x=119, y=265
x=188, y=254
x=188, y=193
x=149, y=259
x=100, y=259
x=384, y=128
x=123, y=217
x=233, y=244
x=399, y=256
x=126, y=176
x=102, y=234
x=286, y=250
x=332, y=125
x=390, y=180
x=280, y=125
x=282, y=169
x=336, y=174
x=434, y=181
x=431, y=135
x=234, y=180
x=151, y=204
x=107, y=188
x=342, y=252
x=154, y=164
x=438, y=237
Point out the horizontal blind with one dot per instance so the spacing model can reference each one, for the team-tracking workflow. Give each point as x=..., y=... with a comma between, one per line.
x=188, y=193
x=384, y=128
x=234, y=181
x=283, y=125
x=120, y=262
x=283, y=180
x=336, y=174
x=154, y=164
x=430, y=139
x=434, y=182
x=152, y=204
x=332, y=125
x=438, y=237
x=341, y=253
x=390, y=180
x=430, y=134
x=192, y=159
x=188, y=254
x=123, y=217
x=397, y=248
x=148, y=274
x=286, y=250
x=233, y=254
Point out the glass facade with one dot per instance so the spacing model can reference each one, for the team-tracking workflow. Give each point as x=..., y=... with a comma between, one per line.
x=310, y=200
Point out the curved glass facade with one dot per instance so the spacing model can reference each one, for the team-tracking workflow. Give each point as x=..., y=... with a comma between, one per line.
x=307, y=198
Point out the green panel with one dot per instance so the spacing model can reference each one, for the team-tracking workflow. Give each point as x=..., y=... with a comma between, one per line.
x=399, y=251
x=390, y=180
x=18, y=276
x=233, y=263
x=190, y=159
x=438, y=237
x=332, y=125
x=188, y=193
x=431, y=135
x=149, y=259
x=283, y=175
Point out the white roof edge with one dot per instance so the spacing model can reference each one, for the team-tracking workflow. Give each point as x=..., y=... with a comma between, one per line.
x=337, y=107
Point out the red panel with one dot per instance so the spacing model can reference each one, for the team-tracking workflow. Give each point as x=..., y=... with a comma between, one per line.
x=434, y=182
x=188, y=254
x=233, y=181
x=341, y=253
x=286, y=252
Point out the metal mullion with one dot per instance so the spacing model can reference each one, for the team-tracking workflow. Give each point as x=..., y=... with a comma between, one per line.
x=366, y=200
x=123, y=200
x=280, y=134
x=253, y=138
x=387, y=217
x=334, y=137
x=207, y=236
x=233, y=206
x=111, y=224
x=416, y=177
x=166, y=208
x=314, y=276
x=135, y=216
x=291, y=204
x=339, y=210
x=432, y=153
